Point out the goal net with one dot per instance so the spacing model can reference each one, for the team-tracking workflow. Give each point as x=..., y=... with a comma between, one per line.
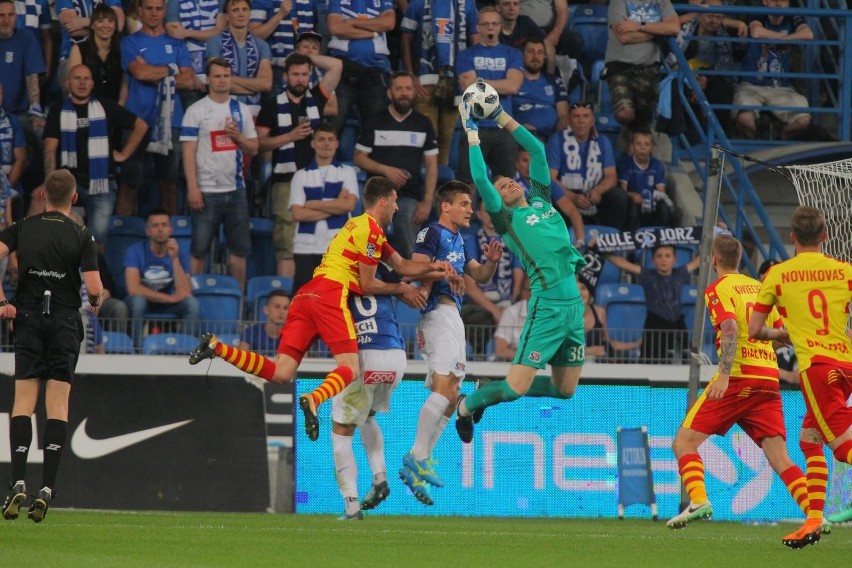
x=829, y=187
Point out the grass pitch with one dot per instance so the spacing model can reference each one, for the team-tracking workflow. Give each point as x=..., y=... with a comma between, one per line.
x=112, y=539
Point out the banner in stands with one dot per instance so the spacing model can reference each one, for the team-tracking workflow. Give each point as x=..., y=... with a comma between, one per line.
x=183, y=443
x=539, y=457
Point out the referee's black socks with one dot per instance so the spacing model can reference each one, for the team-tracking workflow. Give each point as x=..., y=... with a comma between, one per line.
x=55, y=432
x=20, y=438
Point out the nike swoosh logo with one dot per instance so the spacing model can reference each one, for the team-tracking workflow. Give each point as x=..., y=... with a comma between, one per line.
x=88, y=448
x=692, y=510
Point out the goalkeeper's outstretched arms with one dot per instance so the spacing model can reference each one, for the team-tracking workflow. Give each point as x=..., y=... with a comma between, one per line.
x=539, y=170
x=478, y=169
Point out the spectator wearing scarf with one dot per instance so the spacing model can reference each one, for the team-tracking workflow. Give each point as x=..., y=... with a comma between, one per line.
x=430, y=55
x=284, y=125
x=248, y=55
x=78, y=136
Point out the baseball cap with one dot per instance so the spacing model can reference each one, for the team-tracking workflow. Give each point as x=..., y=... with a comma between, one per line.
x=309, y=35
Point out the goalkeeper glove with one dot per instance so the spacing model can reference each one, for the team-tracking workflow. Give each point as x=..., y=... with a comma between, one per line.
x=500, y=116
x=469, y=124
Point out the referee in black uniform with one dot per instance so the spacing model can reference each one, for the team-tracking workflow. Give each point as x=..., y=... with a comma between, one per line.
x=52, y=251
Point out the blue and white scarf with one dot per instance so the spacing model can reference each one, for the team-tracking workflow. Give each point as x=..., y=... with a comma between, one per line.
x=300, y=19
x=198, y=15
x=437, y=55
x=581, y=172
x=321, y=185
x=98, y=143
x=31, y=13
x=161, y=132
x=286, y=162
x=237, y=117
x=230, y=53
x=7, y=142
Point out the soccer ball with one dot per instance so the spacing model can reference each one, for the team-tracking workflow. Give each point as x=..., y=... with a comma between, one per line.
x=482, y=99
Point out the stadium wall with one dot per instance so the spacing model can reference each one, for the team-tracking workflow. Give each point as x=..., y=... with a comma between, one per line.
x=534, y=457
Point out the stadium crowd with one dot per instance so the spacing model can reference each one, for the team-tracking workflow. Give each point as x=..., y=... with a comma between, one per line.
x=122, y=95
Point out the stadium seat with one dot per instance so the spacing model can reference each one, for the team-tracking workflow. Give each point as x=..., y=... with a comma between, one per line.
x=604, y=115
x=258, y=289
x=208, y=282
x=116, y=342
x=591, y=22
x=220, y=300
x=408, y=318
x=625, y=310
x=169, y=344
x=232, y=339
x=261, y=262
x=121, y=234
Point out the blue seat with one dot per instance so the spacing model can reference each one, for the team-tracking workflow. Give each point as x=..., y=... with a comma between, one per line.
x=213, y=282
x=169, y=344
x=625, y=310
x=220, y=301
x=408, y=318
x=261, y=262
x=232, y=339
x=591, y=22
x=122, y=232
x=258, y=289
x=604, y=114
x=116, y=342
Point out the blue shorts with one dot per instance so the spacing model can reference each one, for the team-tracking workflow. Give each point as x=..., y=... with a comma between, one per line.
x=229, y=209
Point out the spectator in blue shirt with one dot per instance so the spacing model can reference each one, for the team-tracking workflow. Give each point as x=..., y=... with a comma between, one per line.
x=263, y=337
x=501, y=66
x=156, y=273
x=643, y=177
x=541, y=104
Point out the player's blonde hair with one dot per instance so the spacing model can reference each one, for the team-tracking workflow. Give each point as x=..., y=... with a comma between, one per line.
x=727, y=250
x=808, y=225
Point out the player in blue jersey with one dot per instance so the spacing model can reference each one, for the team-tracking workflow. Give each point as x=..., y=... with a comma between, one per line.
x=553, y=333
x=441, y=334
x=382, y=360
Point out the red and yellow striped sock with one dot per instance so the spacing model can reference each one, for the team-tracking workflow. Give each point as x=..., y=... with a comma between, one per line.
x=797, y=485
x=843, y=452
x=817, y=477
x=692, y=473
x=334, y=382
x=247, y=361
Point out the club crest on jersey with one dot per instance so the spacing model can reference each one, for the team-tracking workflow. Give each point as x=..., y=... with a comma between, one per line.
x=534, y=356
x=532, y=219
x=538, y=204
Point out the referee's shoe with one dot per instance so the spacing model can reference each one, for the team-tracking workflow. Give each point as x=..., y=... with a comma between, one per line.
x=40, y=505
x=16, y=497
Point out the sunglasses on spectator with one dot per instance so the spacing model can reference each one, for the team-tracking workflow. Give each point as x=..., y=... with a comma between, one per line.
x=589, y=106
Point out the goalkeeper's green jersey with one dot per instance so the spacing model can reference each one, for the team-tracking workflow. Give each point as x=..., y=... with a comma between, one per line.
x=536, y=233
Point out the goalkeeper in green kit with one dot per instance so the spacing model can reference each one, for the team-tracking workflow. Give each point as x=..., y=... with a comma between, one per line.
x=533, y=230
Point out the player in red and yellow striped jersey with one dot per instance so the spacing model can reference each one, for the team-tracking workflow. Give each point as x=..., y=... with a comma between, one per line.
x=812, y=293
x=320, y=307
x=743, y=391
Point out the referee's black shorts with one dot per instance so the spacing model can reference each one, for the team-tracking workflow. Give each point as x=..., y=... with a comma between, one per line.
x=47, y=347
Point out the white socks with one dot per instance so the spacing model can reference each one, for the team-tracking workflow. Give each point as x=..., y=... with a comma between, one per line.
x=427, y=424
x=345, y=466
x=374, y=445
